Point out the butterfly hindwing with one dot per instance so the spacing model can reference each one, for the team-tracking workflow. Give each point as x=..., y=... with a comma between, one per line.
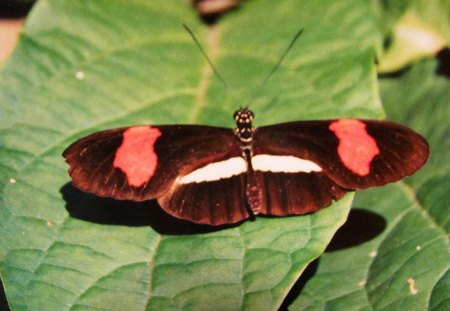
x=142, y=162
x=214, y=202
x=296, y=193
x=355, y=154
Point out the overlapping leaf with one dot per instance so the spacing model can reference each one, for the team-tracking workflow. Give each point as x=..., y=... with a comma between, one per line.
x=416, y=29
x=405, y=264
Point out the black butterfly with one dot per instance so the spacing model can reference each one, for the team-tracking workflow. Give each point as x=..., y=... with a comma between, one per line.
x=219, y=176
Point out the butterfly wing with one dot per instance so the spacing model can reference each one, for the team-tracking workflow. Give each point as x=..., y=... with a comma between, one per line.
x=355, y=154
x=213, y=202
x=198, y=173
x=142, y=162
x=296, y=193
x=339, y=155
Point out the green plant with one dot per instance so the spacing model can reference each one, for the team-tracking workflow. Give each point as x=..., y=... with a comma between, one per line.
x=86, y=65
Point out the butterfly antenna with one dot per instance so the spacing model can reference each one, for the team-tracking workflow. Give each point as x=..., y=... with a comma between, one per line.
x=191, y=33
x=277, y=65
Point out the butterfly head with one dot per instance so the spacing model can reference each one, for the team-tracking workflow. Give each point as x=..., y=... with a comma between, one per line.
x=244, y=128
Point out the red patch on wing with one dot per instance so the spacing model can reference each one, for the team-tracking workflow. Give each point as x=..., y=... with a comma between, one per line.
x=136, y=156
x=356, y=147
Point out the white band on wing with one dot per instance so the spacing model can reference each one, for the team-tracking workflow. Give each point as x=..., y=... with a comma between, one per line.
x=216, y=171
x=283, y=164
x=237, y=165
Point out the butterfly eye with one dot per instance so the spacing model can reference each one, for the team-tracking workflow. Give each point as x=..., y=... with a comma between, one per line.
x=237, y=114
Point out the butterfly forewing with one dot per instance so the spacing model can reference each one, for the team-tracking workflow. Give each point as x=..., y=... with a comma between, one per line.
x=141, y=163
x=355, y=154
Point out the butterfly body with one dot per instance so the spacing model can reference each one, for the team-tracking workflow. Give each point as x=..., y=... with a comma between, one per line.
x=218, y=176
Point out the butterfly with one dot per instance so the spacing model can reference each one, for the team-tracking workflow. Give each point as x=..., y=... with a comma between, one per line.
x=213, y=175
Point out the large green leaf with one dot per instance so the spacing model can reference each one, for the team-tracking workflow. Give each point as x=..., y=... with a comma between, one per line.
x=417, y=28
x=87, y=65
x=404, y=266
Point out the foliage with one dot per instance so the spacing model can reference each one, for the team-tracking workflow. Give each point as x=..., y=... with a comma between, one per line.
x=87, y=65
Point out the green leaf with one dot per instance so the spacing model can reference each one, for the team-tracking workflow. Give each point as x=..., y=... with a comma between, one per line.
x=87, y=65
x=404, y=266
x=419, y=28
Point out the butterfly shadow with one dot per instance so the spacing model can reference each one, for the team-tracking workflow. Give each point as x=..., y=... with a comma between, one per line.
x=360, y=227
x=3, y=302
x=107, y=211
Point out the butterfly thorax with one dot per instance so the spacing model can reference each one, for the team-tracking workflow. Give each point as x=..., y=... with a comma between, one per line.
x=244, y=129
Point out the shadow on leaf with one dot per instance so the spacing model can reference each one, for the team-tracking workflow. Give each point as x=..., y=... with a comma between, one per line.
x=360, y=227
x=443, y=68
x=297, y=288
x=107, y=211
x=3, y=303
